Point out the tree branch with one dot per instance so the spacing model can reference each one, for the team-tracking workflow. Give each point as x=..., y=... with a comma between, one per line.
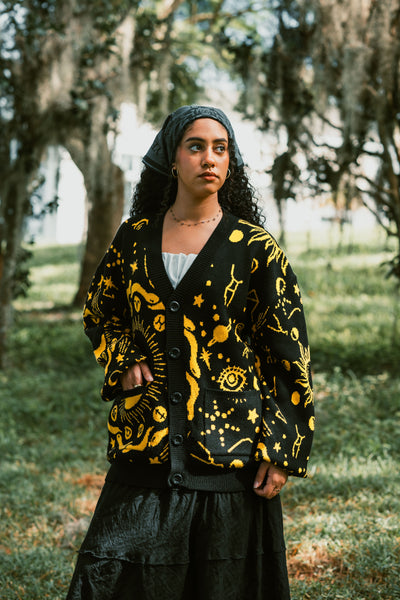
x=168, y=8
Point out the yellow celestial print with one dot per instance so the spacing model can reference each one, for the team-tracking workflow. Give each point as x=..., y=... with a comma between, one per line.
x=194, y=394
x=237, y=444
x=294, y=334
x=158, y=437
x=198, y=300
x=108, y=285
x=297, y=443
x=209, y=459
x=160, y=414
x=253, y=298
x=231, y=421
x=152, y=300
x=159, y=322
x=137, y=303
x=295, y=398
x=231, y=288
x=254, y=265
x=253, y=415
x=227, y=349
x=261, y=320
x=304, y=366
x=236, y=236
x=100, y=348
x=281, y=287
x=264, y=452
x=189, y=328
x=232, y=379
x=131, y=401
x=128, y=447
x=220, y=334
x=139, y=224
x=280, y=415
x=275, y=252
x=205, y=356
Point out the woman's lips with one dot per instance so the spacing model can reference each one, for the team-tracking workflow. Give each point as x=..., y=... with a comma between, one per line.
x=209, y=176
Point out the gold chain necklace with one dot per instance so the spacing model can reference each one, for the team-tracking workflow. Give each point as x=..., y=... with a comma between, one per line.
x=181, y=222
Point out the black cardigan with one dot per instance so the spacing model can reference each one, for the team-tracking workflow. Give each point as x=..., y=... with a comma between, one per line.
x=228, y=351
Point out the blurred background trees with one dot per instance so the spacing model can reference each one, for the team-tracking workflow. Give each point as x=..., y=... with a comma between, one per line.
x=321, y=76
x=327, y=84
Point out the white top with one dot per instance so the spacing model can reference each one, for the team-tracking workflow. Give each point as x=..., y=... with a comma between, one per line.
x=176, y=265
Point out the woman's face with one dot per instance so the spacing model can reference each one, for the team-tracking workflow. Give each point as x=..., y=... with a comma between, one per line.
x=202, y=159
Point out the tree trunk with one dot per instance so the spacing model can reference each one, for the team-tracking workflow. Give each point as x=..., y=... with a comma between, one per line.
x=106, y=207
x=104, y=183
x=14, y=211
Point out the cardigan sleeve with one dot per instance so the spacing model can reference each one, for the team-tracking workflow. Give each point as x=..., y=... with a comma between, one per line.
x=107, y=320
x=283, y=364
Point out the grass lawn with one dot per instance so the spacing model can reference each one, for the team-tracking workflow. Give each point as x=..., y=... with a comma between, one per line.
x=342, y=523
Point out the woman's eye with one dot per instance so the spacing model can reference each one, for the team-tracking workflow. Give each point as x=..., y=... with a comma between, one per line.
x=221, y=149
x=195, y=147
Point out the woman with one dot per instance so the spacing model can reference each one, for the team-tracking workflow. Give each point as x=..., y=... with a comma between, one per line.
x=196, y=317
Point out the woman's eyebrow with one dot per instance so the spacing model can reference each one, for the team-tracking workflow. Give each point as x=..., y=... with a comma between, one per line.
x=199, y=139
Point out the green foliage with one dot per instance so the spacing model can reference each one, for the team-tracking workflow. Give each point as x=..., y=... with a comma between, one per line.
x=342, y=523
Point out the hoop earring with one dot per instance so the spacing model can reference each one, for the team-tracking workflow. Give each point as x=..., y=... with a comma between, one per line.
x=174, y=172
x=228, y=174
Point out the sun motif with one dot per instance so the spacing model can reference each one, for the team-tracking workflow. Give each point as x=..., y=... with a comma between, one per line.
x=260, y=235
x=304, y=380
x=232, y=379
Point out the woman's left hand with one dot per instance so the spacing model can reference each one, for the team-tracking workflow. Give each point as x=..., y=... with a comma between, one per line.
x=269, y=480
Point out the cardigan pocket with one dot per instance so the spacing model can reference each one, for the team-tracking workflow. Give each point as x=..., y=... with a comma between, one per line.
x=137, y=427
x=226, y=427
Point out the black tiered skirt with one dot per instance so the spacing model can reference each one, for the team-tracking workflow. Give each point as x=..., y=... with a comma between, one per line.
x=168, y=544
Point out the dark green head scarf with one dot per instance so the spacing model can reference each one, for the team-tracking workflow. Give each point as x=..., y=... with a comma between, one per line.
x=161, y=153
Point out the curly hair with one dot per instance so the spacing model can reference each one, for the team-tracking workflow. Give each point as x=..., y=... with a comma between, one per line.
x=155, y=193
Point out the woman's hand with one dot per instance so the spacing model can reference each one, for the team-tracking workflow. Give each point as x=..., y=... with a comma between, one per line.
x=135, y=375
x=269, y=480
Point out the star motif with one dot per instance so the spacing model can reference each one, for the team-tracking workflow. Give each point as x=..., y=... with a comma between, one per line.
x=108, y=283
x=205, y=355
x=198, y=300
x=297, y=290
x=253, y=416
x=134, y=266
x=277, y=447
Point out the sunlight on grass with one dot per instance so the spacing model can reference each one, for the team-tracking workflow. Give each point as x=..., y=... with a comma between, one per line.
x=52, y=285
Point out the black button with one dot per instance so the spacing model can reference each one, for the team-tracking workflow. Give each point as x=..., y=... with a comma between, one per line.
x=174, y=306
x=177, y=439
x=176, y=479
x=174, y=353
x=176, y=397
